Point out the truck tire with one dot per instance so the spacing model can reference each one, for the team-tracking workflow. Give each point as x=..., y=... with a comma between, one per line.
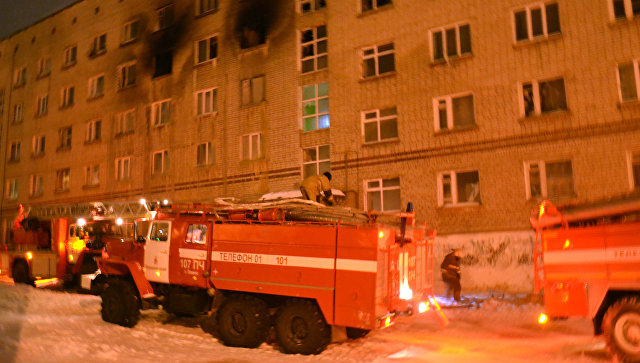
x=120, y=303
x=243, y=321
x=356, y=333
x=301, y=328
x=21, y=274
x=621, y=329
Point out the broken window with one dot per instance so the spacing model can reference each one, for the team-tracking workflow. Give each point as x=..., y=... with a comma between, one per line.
x=628, y=78
x=315, y=107
x=307, y=6
x=380, y=125
x=123, y=168
x=378, y=60
x=64, y=138
x=537, y=20
x=160, y=162
x=543, y=96
x=207, y=102
x=93, y=131
x=70, y=54
x=67, y=96
x=253, y=90
x=62, y=180
x=549, y=179
x=127, y=75
x=454, y=112
x=19, y=77
x=12, y=189
x=130, y=31
x=451, y=41
x=161, y=112
x=382, y=195
x=251, y=146
x=204, y=154
x=44, y=66
x=458, y=188
x=92, y=175
x=316, y=160
x=14, y=151
x=207, y=49
x=163, y=63
x=634, y=160
x=313, y=49
x=37, y=145
x=96, y=86
x=368, y=5
x=99, y=45
x=205, y=6
x=250, y=38
x=42, y=105
x=165, y=17
x=35, y=185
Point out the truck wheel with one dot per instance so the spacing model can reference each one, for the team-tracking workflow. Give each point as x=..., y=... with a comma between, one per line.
x=120, y=304
x=243, y=321
x=621, y=328
x=356, y=333
x=301, y=328
x=21, y=273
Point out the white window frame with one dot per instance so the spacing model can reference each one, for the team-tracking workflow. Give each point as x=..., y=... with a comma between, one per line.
x=206, y=6
x=164, y=162
x=99, y=45
x=527, y=9
x=158, y=115
x=314, y=44
x=374, y=6
x=123, y=168
x=209, y=157
x=65, y=135
x=454, y=188
x=38, y=144
x=628, y=10
x=313, y=5
x=166, y=16
x=377, y=119
x=124, y=123
x=542, y=169
x=42, y=105
x=376, y=57
x=92, y=175
x=127, y=75
x=70, y=56
x=96, y=86
x=128, y=35
x=14, y=151
x=316, y=100
x=67, y=96
x=381, y=189
x=44, y=66
x=93, y=131
x=248, y=89
x=633, y=184
x=252, y=154
x=207, y=56
x=443, y=30
x=12, y=189
x=20, y=77
x=449, y=107
x=18, y=112
x=63, y=180
x=36, y=185
x=204, y=108
x=636, y=73
x=537, y=102
x=316, y=162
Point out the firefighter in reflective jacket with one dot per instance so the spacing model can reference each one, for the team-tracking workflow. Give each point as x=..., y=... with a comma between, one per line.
x=313, y=188
x=450, y=269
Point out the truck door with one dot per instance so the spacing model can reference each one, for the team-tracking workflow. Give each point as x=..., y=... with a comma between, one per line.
x=194, y=254
x=156, y=252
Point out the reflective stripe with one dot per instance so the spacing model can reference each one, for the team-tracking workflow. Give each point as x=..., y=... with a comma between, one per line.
x=356, y=265
x=272, y=283
x=192, y=254
x=325, y=263
x=621, y=254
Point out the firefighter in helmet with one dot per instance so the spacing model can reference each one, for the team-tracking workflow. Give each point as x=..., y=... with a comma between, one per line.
x=317, y=188
x=450, y=269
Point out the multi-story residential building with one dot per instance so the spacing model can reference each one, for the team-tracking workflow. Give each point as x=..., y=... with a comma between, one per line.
x=473, y=110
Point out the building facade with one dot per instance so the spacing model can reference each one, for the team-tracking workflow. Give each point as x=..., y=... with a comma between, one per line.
x=473, y=110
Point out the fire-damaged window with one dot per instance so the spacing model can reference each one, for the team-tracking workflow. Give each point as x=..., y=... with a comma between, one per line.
x=453, y=112
x=17, y=113
x=378, y=60
x=99, y=45
x=451, y=41
x=62, y=180
x=253, y=90
x=92, y=175
x=67, y=95
x=250, y=37
x=126, y=75
x=634, y=169
x=368, y=5
x=160, y=162
x=96, y=86
x=206, y=6
x=123, y=168
x=161, y=112
x=124, y=122
x=624, y=9
x=163, y=64
x=165, y=17
x=93, y=131
x=379, y=125
x=535, y=21
x=12, y=189
x=207, y=49
x=207, y=102
x=129, y=32
x=70, y=54
x=36, y=185
x=457, y=188
x=315, y=107
x=64, y=138
x=14, y=151
x=42, y=105
x=251, y=146
x=382, y=195
x=307, y=6
x=629, y=80
x=204, y=154
x=549, y=179
x=316, y=160
x=313, y=49
x=543, y=96
x=37, y=145
x=197, y=233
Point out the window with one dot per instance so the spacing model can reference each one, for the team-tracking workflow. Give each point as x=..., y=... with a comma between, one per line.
x=161, y=112
x=70, y=54
x=315, y=107
x=368, y=5
x=67, y=96
x=64, y=135
x=251, y=146
x=62, y=180
x=205, y=6
x=127, y=75
x=35, y=185
x=160, y=162
x=197, y=233
x=551, y=180
x=92, y=175
x=252, y=37
x=19, y=77
x=44, y=66
x=378, y=60
x=17, y=113
x=163, y=64
x=37, y=145
x=124, y=122
x=207, y=49
x=307, y=6
x=14, y=152
x=207, y=102
x=451, y=41
x=42, y=104
x=622, y=9
x=12, y=189
x=634, y=170
x=165, y=17
x=130, y=31
x=380, y=125
x=99, y=45
x=123, y=168
x=315, y=160
x=453, y=112
x=160, y=231
x=93, y=131
x=543, y=96
x=536, y=20
x=629, y=80
x=204, y=154
x=382, y=194
x=313, y=49
x=458, y=188
x=253, y=90
x=96, y=86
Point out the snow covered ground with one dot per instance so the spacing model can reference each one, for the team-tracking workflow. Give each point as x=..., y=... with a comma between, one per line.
x=39, y=325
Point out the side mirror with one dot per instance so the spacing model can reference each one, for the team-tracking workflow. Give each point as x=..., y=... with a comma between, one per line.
x=141, y=239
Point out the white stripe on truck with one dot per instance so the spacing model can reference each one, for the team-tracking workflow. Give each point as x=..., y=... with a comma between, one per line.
x=325, y=263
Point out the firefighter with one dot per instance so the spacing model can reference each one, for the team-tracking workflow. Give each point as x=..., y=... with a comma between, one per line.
x=313, y=188
x=450, y=269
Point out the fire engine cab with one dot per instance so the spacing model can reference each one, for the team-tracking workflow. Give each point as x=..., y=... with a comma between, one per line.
x=587, y=260
x=299, y=270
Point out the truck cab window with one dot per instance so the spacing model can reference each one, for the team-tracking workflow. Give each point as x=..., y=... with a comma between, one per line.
x=159, y=231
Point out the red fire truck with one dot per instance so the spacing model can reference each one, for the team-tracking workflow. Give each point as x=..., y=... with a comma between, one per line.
x=587, y=260
x=297, y=271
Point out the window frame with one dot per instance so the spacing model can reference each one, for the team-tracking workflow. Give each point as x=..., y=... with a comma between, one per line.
x=374, y=6
x=63, y=180
x=542, y=5
x=252, y=154
x=156, y=107
x=42, y=105
x=36, y=185
x=14, y=151
x=200, y=99
x=12, y=189
x=537, y=102
x=636, y=74
x=93, y=131
x=164, y=162
x=38, y=144
x=542, y=169
x=314, y=5
x=98, y=45
x=209, y=157
x=633, y=184
x=316, y=100
x=127, y=35
x=188, y=238
x=67, y=96
x=199, y=8
x=628, y=11
x=378, y=120
x=317, y=162
x=92, y=175
x=70, y=56
x=165, y=18
x=381, y=188
x=250, y=85
x=123, y=168
x=207, y=48
x=443, y=29
x=18, y=113
x=125, y=78
x=44, y=66
x=122, y=123
x=451, y=124
x=96, y=86
x=313, y=43
x=65, y=138
x=455, y=195
x=376, y=55
x=20, y=77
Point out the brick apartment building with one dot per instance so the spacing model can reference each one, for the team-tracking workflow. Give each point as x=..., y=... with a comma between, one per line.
x=473, y=110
